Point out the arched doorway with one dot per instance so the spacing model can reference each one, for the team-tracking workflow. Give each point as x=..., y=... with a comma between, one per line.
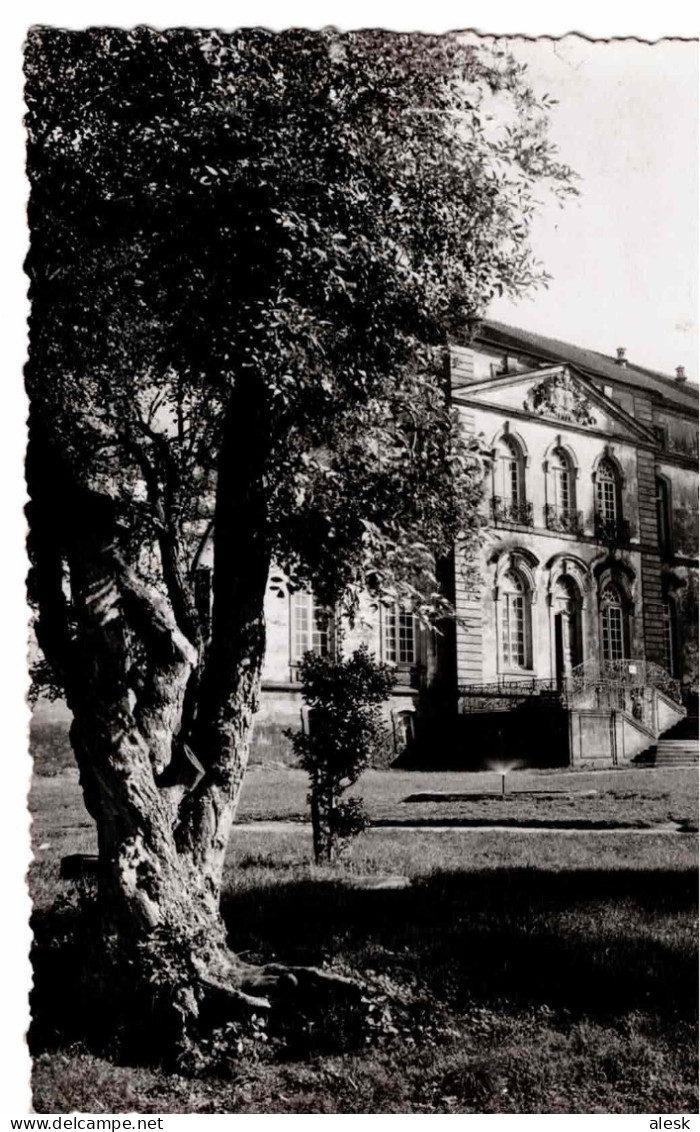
x=567, y=634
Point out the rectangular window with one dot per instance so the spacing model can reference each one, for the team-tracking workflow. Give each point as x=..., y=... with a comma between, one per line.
x=399, y=637
x=312, y=627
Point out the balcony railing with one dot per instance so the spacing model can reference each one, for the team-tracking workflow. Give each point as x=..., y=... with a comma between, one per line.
x=615, y=531
x=614, y=684
x=507, y=694
x=511, y=511
x=564, y=519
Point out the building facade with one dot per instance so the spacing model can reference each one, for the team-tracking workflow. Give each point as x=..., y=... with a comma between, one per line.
x=589, y=563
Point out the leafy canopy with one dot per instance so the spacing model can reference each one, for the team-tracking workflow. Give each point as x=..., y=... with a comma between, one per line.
x=304, y=215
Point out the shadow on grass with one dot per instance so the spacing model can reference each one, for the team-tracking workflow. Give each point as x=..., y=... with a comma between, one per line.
x=588, y=944
x=494, y=822
x=495, y=795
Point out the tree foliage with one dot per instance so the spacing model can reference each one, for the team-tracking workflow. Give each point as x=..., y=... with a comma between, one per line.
x=248, y=254
x=307, y=215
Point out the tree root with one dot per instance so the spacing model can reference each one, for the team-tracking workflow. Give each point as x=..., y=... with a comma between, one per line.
x=227, y=1005
x=196, y=1007
x=275, y=984
x=280, y=981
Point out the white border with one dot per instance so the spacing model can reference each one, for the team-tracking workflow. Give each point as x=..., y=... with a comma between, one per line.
x=594, y=19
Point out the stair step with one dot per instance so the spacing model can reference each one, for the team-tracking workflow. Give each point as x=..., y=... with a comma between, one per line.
x=676, y=752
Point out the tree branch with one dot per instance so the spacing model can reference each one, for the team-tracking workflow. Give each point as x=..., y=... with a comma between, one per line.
x=164, y=503
x=152, y=618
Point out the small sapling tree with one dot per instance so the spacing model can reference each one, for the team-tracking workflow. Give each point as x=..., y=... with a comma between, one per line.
x=345, y=727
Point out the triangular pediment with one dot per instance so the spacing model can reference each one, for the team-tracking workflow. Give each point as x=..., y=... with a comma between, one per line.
x=557, y=395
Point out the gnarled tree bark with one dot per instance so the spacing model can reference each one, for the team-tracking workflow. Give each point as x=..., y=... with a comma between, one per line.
x=163, y=782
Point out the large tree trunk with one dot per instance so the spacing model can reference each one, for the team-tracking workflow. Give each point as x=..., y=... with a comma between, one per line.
x=230, y=680
x=164, y=801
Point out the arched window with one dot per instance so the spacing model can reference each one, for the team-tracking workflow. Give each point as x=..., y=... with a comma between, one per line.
x=509, y=501
x=612, y=623
x=514, y=600
x=509, y=473
x=561, y=513
x=609, y=523
x=669, y=616
x=606, y=492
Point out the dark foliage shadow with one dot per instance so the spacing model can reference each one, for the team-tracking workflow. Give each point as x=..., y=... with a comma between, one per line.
x=498, y=938
x=62, y=1007
x=488, y=937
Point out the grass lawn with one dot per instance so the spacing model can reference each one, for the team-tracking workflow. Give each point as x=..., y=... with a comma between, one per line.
x=518, y=972
x=629, y=797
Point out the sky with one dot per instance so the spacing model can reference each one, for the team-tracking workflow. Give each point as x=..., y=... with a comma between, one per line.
x=624, y=254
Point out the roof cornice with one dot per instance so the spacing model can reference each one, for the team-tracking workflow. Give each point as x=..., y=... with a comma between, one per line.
x=491, y=333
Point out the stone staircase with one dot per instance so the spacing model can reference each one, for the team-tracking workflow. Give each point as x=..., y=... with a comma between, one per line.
x=679, y=745
x=676, y=752
x=616, y=713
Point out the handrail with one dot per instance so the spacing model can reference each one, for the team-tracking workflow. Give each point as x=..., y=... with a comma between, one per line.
x=630, y=672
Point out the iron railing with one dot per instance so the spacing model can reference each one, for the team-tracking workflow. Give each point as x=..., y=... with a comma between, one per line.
x=511, y=511
x=629, y=673
x=564, y=519
x=624, y=685
x=614, y=531
x=506, y=694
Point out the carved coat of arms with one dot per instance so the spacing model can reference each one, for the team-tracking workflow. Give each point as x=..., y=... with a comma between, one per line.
x=559, y=397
